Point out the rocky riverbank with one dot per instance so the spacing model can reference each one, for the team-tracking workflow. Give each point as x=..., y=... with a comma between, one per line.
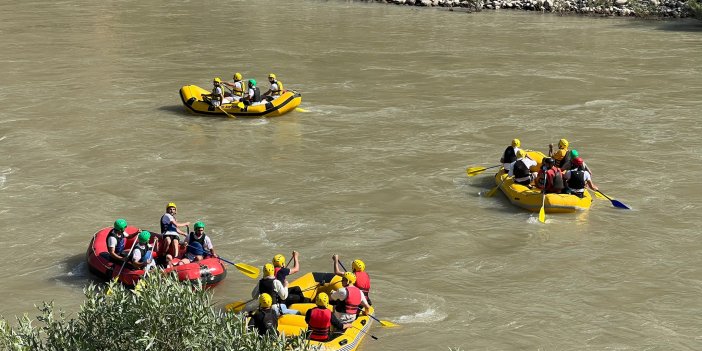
x=626, y=8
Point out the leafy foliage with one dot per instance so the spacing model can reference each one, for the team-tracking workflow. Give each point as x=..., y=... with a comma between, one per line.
x=163, y=314
x=695, y=9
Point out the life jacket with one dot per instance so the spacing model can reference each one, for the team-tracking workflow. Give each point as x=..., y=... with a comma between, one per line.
x=509, y=156
x=554, y=182
x=577, y=179
x=193, y=238
x=120, y=241
x=143, y=249
x=275, y=273
x=320, y=321
x=170, y=227
x=353, y=300
x=256, y=96
x=216, y=91
x=267, y=286
x=520, y=169
x=363, y=282
x=280, y=88
x=239, y=88
x=565, y=160
x=266, y=321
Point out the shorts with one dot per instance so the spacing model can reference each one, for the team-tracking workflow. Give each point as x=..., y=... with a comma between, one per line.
x=174, y=237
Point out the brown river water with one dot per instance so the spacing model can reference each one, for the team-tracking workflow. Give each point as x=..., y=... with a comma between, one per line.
x=400, y=101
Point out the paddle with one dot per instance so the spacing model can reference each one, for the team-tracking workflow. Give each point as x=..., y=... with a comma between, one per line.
x=298, y=109
x=615, y=203
x=225, y=112
x=494, y=190
x=542, y=211
x=474, y=171
x=248, y=270
x=109, y=291
x=237, y=306
x=365, y=332
x=383, y=323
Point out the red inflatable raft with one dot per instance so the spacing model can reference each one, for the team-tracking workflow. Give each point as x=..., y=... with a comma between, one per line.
x=210, y=271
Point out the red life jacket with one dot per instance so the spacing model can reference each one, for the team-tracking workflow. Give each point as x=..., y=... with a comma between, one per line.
x=353, y=299
x=320, y=321
x=363, y=282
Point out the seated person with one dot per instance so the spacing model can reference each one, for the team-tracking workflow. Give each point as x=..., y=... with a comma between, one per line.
x=199, y=245
x=510, y=154
x=274, y=288
x=264, y=320
x=116, y=240
x=349, y=299
x=578, y=178
x=253, y=95
x=140, y=256
x=238, y=88
x=520, y=169
x=550, y=177
x=320, y=319
x=275, y=90
x=216, y=97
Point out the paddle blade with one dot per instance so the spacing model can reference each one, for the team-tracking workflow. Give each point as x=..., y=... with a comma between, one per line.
x=618, y=204
x=542, y=215
x=474, y=171
x=247, y=270
x=240, y=105
x=235, y=306
x=298, y=109
x=388, y=324
x=492, y=192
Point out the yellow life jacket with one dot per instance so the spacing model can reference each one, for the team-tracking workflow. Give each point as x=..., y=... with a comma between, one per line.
x=280, y=88
x=241, y=89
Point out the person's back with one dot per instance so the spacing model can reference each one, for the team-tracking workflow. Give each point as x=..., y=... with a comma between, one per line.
x=510, y=154
x=520, y=169
x=264, y=319
x=319, y=319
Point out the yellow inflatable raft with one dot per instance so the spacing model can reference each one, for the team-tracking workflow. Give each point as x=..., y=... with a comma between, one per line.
x=531, y=198
x=311, y=284
x=191, y=95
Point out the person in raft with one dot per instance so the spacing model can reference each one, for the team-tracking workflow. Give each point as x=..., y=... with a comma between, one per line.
x=569, y=165
x=264, y=320
x=578, y=178
x=349, y=299
x=550, y=177
x=171, y=233
x=238, y=88
x=199, y=245
x=510, y=154
x=253, y=94
x=320, y=319
x=359, y=270
x=275, y=90
x=140, y=256
x=116, y=241
x=216, y=97
x=521, y=169
x=273, y=287
x=562, y=155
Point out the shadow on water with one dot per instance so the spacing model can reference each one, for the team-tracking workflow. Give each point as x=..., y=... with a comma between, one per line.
x=75, y=272
x=686, y=25
x=179, y=109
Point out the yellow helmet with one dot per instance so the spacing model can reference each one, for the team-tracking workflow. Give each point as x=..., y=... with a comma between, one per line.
x=170, y=204
x=268, y=269
x=350, y=277
x=322, y=299
x=237, y=76
x=521, y=153
x=358, y=266
x=272, y=75
x=516, y=143
x=563, y=144
x=265, y=300
x=217, y=80
x=279, y=260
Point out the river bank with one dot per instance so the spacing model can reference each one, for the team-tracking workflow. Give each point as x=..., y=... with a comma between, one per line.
x=623, y=8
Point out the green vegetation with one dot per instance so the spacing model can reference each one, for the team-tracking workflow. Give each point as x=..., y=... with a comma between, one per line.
x=695, y=9
x=646, y=8
x=164, y=314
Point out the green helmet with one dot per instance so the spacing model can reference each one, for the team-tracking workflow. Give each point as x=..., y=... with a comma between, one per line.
x=574, y=153
x=252, y=82
x=144, y=237
x=120, y=224
x=199, y=224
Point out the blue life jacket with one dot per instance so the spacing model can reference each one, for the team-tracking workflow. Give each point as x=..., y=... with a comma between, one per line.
x=120, y=240
x=170, y=227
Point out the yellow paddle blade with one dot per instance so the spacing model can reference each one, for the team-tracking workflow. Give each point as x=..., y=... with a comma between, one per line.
x=235, y=306
x=599, y=195
x=240, y=105
x=474, y=171
x=492, y=192
x=388, y=324
x=298, y=109
x=247, y=270
x=542, y=215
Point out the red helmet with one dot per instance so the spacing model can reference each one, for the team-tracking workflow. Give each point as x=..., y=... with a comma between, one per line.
x=578, y=161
